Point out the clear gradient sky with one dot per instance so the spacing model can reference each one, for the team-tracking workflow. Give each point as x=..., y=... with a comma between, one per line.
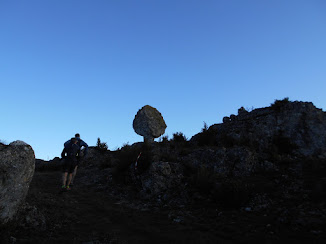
x=70, y=66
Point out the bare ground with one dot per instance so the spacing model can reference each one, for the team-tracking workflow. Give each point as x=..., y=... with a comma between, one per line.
x=90, y=214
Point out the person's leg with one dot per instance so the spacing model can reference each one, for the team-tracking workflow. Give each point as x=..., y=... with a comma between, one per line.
x=74, y=174
x=64, y=179
x=65, y=170
x=69, y=181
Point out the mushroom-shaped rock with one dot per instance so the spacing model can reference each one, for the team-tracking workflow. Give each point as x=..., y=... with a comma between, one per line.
x=149, y=123
x=17, y=164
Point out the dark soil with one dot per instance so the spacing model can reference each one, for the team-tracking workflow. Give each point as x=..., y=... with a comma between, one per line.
x=89, y=213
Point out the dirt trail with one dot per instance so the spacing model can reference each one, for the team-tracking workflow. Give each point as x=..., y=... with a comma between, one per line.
x=85, y=216
x=89, y=214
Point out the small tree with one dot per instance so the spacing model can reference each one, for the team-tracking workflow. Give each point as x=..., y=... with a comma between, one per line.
x=205, y=128
x=164, y=139
x=179, y=137
x=101, y=145
x=207, y=137
x=279, y=104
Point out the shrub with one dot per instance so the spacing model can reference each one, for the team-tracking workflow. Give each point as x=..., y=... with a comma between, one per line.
x=205, y=128
x=164, y=139
x=101, y=145
x=250, y=109
x=179, y=137
x=279, y=104
x=207, y=137
x=127, y=156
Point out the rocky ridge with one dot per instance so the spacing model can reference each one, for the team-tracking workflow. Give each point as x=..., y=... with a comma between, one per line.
x=263, y=171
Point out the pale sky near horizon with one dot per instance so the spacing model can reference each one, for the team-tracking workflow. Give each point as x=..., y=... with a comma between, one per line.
x=89, y=66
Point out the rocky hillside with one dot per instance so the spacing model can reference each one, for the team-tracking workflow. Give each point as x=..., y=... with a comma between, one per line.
x=258, y=176
x=296, y=128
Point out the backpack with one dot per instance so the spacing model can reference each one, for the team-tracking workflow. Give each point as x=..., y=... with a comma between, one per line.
x=71, y=150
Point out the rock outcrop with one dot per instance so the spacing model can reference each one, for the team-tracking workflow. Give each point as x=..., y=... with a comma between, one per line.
x=17, y=165
x=296, y=128
x=160, y=178
x=237, y=161
x=259, y=140
x=149, y=123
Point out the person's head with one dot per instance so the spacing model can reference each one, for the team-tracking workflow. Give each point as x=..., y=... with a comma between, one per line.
x=77, y=135
x=74, y=140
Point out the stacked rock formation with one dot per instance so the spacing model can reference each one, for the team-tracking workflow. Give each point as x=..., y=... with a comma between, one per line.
x=149, y=123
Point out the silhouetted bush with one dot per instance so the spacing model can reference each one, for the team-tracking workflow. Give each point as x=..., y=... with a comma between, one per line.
x=205, y=127
x=279, y=104
x=164, y=139
x=101, y=145
x=178, y=142
x=179, y=137
x=207, y=137
x=127, y=156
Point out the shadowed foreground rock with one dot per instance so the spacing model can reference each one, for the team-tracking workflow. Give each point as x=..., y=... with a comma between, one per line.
x=149, y=123
x=161, y=177
x=17, y=165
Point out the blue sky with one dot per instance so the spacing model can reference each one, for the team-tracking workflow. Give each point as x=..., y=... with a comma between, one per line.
x=89, y=66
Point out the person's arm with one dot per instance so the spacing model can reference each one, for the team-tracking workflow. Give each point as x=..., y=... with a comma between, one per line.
x=84, y=144
x=77, y=152
x=63, y=153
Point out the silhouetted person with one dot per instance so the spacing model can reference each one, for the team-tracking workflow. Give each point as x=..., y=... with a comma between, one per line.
x=70, y=154
x=81, y=144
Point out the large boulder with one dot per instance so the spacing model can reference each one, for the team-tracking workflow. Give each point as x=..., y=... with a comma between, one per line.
x=149, y=123
x=17, y=165
x=160, y=178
